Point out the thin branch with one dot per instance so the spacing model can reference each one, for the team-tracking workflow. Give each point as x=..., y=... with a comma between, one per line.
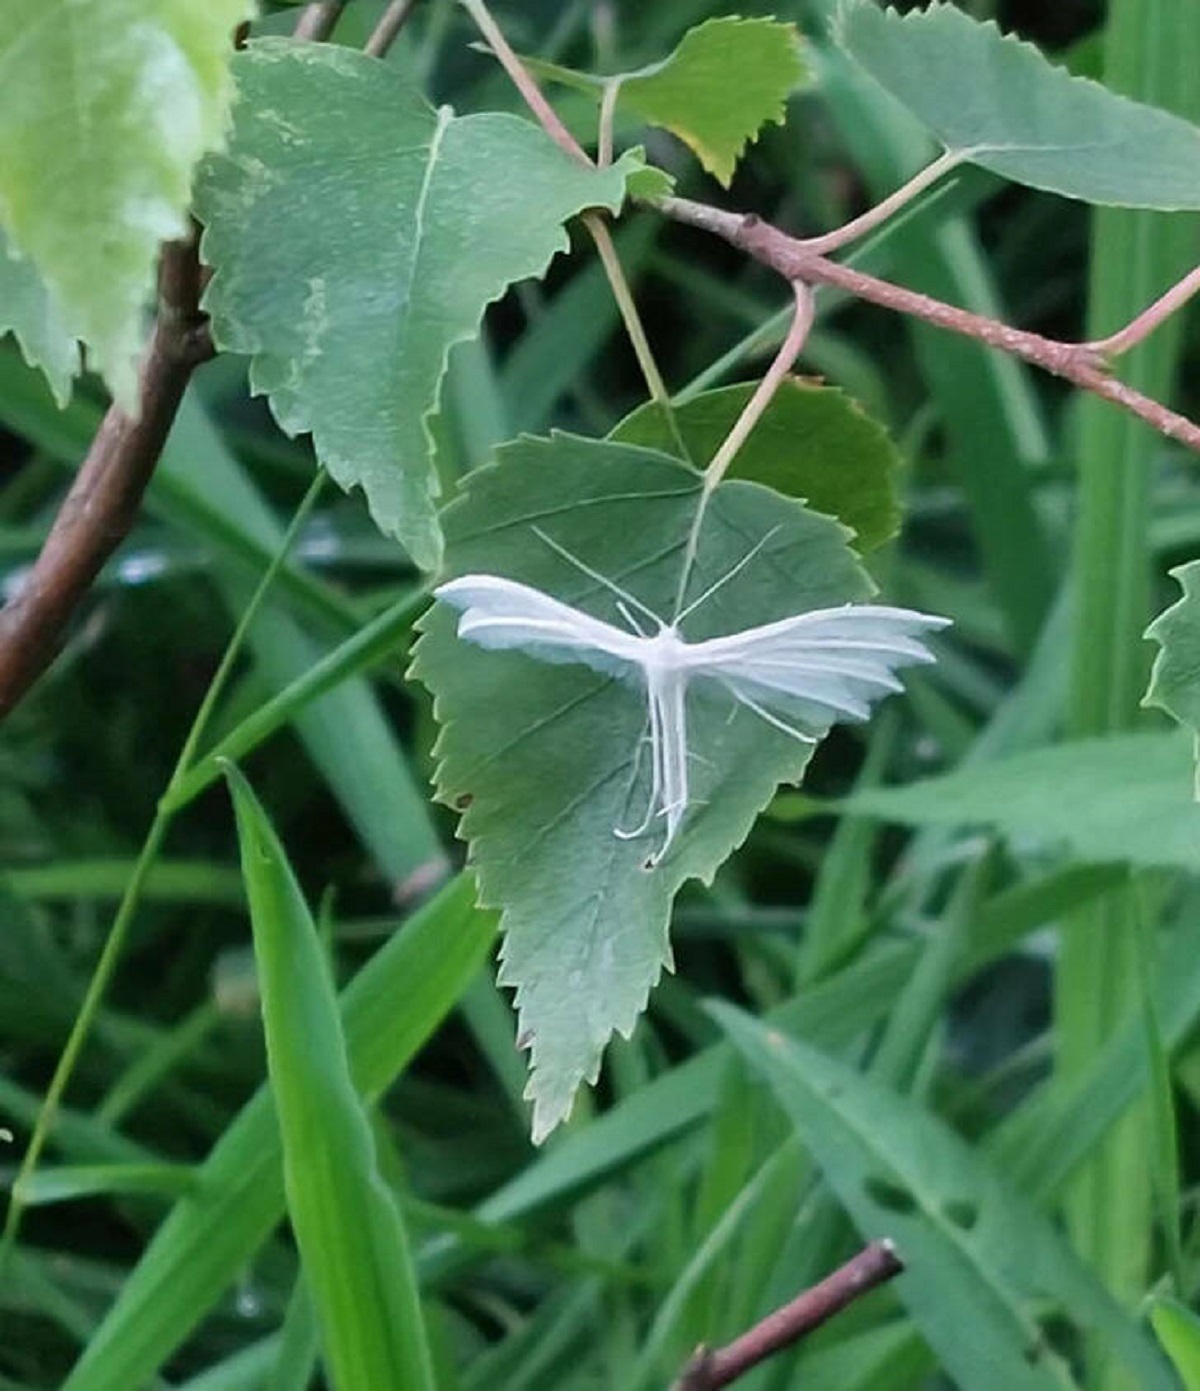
x=530, y=92
x=887, y=207
x=386, y=32
x=1081, y=363
x=1149, y=319
x=103, y=500
x=317, y=20
x=789, y=350
x=594, y=222
x=608, y=112
x=711, y=1370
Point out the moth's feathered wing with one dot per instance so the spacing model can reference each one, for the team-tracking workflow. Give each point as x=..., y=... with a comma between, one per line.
x=498, y=613
x=821, y=666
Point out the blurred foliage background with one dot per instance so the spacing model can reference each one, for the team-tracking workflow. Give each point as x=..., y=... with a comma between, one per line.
x=563, y=1291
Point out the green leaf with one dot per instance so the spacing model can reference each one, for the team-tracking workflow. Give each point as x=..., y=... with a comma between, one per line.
x=29, y=309
x=995, y=101
x=1178, y=1331
x=1123, y=799
x=546, y=762
x=357, y=235
x=812, y=442
x=1175, y=678
x=727, y=79
x=207, y=1240
x=105, y=109
x=976, y=1255
x=70, y=1182
x=353, y=1245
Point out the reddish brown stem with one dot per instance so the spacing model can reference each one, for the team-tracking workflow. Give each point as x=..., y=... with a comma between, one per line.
x=317, y=21
x=1080, y=363
x=103, y=501
x=711, y=1369
x=386, y=32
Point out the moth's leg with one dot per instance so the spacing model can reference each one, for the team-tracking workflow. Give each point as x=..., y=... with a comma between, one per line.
x=771, y=719
x=655, y=777
x=672, y=702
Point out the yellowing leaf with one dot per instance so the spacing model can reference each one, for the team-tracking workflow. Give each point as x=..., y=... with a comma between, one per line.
x=30, y=311
x=105, y=109
x=727, y=79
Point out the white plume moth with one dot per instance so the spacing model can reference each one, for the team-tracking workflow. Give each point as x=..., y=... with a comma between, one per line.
x=798, y=674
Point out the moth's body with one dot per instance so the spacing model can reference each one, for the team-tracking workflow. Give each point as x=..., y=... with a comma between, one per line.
x=817, y=666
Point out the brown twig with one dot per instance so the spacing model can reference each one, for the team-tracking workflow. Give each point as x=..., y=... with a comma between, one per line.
x=1084, y=364
x=1143, y=324
x=386, y=32
x=710, y=1369
x=103, y=500
x=317, y=20
x=530, y=92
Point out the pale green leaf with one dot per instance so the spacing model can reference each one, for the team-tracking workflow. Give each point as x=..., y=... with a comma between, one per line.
x=1178, y=1331
x=977, y=1257
x=1124, y=799
x=105, y=109
x=727, y=79
x=30, y=311
x=545, y=762
x=996, y=101
x=353, y=1245
x=356, y=236
x=1175, y=678
x=812, y=443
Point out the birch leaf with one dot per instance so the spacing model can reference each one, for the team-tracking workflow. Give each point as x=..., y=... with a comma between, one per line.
x=105, y=109
x=544, y=762
x=812, y=443
x=997, y=102
x=727, y=79
x=30, y=311
x=356, y=236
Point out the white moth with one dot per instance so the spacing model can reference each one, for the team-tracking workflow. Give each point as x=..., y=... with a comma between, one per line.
x=810, y=669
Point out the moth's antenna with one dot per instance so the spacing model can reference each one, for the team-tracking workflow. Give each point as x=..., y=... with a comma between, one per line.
x=631, y=599
x=627, y=614
x=727, y=576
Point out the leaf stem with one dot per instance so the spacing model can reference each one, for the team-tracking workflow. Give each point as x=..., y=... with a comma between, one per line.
x=123, y=919
x=597, y=227
x=1079, y=363
x=885, y=208
x=531, y=93
x=318, y=20
x=789, y=349
x=386, y=32
x=1149, y=319
x=608, y=111
x=802, y=318
x=634, y=327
